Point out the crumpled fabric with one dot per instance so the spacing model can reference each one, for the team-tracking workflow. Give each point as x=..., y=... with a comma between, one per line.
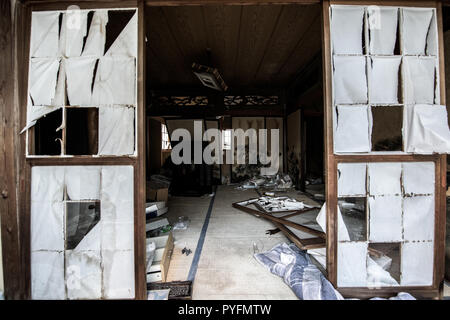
x=302, y=276
x=298, y=272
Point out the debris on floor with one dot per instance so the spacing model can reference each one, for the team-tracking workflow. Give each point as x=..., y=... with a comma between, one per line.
x=157, y=227
x=302, y=276
x=275, y=183
x=155, y=209
x=298, y=272
x=179, y=290
x=182, y=223
x=186, y=251
x=159, y=252
x=158, y=294
x=279, y=204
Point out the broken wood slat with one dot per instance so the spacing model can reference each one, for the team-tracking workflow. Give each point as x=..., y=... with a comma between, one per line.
x=299, y=212
x=280, y=220
x=303, y=244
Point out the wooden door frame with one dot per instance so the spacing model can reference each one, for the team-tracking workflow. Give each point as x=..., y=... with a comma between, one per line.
x=17, y=170
x=25, y=164
x=332, y=160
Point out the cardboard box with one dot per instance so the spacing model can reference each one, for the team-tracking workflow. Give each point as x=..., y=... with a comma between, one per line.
x=157, y=194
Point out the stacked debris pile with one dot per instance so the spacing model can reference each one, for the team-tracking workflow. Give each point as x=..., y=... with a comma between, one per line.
x=276, y=183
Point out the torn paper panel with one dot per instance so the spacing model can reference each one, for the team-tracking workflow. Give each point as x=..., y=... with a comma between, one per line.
x=419, y=77
x=73, y=32
x=47, y=275
x=377, y=276
x=350, y=81
x=417, y=264
x=322, y=222
x=426, y=129
x=47, y=225
x=92, y=240
x=351, y=179
x=34, y=113
x=418, y=218
x=384, y=178
x=383, y=23
x=352, y=218
x=351, y=264
x=115, y=81
x=351, y=129
x=83, y=182
x=96, y=38
x=47, y=183
x=418, y=178
x=347, y=29
x=415, y=27
x=42, y=81
x=384, y=80
x=118, y=274
x=60, y=93
x=80, y=72
x=116, y=130
x=432, y=47
x=44, y=34
x=385, y=219
x=83, y=275
x=126, y=42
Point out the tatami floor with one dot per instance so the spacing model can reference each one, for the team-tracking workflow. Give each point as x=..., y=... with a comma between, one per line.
x=226, y=267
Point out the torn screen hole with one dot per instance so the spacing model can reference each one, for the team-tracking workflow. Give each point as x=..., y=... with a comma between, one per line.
x=81, y=217
x=387, y=128
x=82, y=131
x=117, y=20
x=383, y=265
x=354, y=215
x=46, y=135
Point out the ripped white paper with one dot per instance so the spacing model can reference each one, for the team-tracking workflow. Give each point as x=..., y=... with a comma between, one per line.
x=118, y=274
x=73, y=31
x=426, y=129
x=34, y=113
x=347, y=29
x=322, y=222
x=116, y=130
x=47, y=183
x=415, y=26
x=418, y=218
x=350, y=81
x=126, y=42
x=377, y=276
x=351, y=264
x=44, y=34
x=95, y=41
x=383, y=23
x=419, y=178
x=417, y=271
x=79, y=80
x=351, y=179
x=419, y=80
x=384, y=80
x=42, y=80
x=384, y=178
x=115, y=81
x=351, y=129
x=385, y=219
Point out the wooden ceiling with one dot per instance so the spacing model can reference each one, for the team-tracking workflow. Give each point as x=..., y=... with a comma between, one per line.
x=252, y=46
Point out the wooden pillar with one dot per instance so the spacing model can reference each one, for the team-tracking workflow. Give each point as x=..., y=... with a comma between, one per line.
x=8, y=143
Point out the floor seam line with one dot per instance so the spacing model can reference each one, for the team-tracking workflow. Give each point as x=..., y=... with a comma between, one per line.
x=201, y=240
